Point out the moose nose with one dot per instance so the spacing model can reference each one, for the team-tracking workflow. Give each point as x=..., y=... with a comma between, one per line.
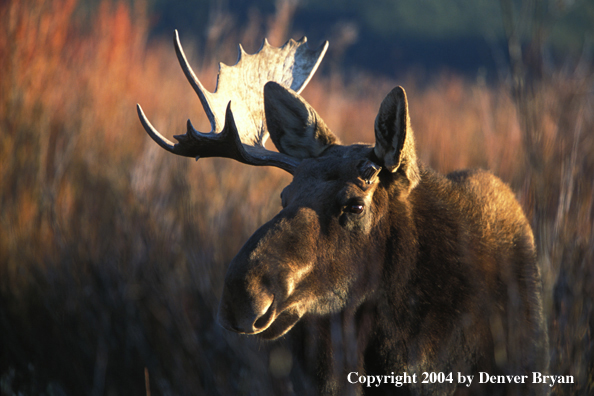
x=246, y=318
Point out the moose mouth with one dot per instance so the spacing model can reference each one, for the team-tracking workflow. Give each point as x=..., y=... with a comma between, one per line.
x=281, y=324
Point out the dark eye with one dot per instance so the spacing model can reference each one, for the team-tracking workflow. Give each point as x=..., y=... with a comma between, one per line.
x=355, y=208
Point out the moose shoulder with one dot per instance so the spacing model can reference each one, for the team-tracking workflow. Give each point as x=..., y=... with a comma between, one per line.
x=376, y=264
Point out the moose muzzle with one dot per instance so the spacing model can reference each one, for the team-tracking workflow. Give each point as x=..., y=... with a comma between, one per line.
x=264, y=289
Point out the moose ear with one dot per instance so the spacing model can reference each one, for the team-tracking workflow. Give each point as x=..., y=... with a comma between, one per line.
x=394, y=140
x=294, y=126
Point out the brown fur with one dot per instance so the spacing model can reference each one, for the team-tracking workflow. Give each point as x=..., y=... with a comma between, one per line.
x=409, y=271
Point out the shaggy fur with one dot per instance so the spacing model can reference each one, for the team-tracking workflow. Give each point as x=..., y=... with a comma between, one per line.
x=410, y=271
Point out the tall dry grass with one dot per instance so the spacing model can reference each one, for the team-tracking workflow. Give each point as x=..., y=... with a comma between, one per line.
x=112, y=252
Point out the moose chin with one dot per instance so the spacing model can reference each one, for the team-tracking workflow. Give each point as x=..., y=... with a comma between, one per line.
x=376, y=263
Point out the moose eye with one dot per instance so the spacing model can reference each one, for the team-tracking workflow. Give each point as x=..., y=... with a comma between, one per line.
x=355, y=208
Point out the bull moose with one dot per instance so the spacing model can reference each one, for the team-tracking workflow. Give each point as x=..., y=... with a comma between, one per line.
x=376, y=265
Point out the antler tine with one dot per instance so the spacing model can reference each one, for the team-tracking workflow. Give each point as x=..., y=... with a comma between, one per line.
x=153, y=133
x=202, y=93
x=241, y=134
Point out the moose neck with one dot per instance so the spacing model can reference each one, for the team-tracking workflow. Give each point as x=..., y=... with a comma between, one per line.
x=415, y=262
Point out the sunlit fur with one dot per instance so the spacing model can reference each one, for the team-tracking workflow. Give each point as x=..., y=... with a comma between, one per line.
x=435, y=274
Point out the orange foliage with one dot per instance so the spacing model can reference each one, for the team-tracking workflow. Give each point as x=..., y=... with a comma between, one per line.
x=96, y=220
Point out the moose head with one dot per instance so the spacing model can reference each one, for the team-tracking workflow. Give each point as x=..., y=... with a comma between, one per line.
x=312, y=256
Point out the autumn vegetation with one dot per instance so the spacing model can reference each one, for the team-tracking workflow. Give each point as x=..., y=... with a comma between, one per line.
x=113, y=252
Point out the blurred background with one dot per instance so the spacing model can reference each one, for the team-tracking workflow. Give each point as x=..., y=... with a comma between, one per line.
x=113, y=252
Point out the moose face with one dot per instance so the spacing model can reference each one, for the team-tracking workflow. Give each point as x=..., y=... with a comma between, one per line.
x=326, y=246
x=315, y=255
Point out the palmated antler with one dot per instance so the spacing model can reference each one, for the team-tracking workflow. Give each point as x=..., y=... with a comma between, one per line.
x=236, y=108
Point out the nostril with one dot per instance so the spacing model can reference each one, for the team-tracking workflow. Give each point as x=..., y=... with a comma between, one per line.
x=247, y=318
x=262, y=321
